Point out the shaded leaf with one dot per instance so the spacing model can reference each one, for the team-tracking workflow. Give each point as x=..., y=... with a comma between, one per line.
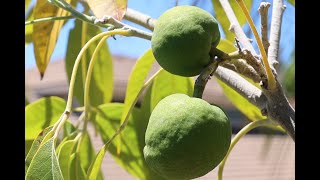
x=146, y=103
x=45, y=164
x=41, y=114
x=27, y=3
x=76, y=175
x=68, y=129
x=35, y=145
x=26, y=102
x=64, y=155
x=45, y=34
x=131, y=157
x=223, y=19
x=114, y=8
x=166, y=84
x=101, y=87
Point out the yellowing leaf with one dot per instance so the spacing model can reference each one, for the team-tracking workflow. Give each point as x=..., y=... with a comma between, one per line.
x=45, y=34
x=114, y=8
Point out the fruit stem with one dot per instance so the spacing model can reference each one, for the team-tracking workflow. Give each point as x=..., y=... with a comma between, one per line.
x=270, y=77
x=239, y=135
x=218, y=56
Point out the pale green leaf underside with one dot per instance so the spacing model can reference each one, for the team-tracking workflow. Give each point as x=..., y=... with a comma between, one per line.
x=45, y=164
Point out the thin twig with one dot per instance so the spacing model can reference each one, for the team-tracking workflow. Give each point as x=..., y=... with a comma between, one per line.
x=275, y=31
x=263, y=10
x=46, y=19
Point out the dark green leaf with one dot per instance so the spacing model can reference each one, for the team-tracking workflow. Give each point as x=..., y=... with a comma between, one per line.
x=166, y=84
x=45, y=164
x=34, y=145
x=222, y=17
x=101, y=86
x=41, y=114
x=131, y=157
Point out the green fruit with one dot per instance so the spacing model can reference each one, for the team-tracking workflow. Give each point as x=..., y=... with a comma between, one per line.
x=182, y=39
x=186, y=137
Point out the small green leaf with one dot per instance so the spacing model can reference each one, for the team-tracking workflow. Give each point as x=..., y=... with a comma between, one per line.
x=166, y=84
x=101, y=87
x=29, y=28
x=136, y=80
x=114, y=8
x=68, y=129
x=45, y=164
x=223, y=19
x=41, y=114
x=64, y=157
x=131, y=157
x=35, y=146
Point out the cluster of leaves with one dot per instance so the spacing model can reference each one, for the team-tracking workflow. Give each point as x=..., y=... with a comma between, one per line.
x=71, y=154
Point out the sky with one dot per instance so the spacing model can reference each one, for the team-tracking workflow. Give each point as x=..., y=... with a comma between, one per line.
x=134, y=47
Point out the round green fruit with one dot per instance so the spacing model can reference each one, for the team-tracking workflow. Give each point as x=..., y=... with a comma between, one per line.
x=186, y=137
x=182, y=39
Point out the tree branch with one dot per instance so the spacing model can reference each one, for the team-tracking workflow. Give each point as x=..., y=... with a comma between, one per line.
x=242, y=86
x=275, y=31
x=139, y=18
x=263, y=10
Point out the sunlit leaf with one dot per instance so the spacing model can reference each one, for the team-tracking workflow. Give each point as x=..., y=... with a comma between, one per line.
x=45, y=34
x=223, y=19
x=101, y=87
x=41, y=114
x=27, y=3
x=114, y=8
x=35, y=146
x=293, y=2
x=131, y=157
x=166, y=84
x=29, y=28
x=45, y=164
x=137, y=79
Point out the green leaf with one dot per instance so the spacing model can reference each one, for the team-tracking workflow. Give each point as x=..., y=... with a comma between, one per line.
x=29, y=28
x=146, y=103
x=114, y=8
x=26, y=102
x=45, y=164
x=41, y=114
x=166, y=84
x=252, y=112
x=35, y=145
x=101, y=86
x=226, y=46
x=45, y=34
x=223, y=19
x=64, y=157
x=131, y=157
x=27, y=3
x=136, y=80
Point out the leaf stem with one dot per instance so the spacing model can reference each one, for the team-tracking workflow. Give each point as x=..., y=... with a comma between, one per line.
x=270, y=77
x=88, y=79
x=47, y=19
x=238, y=136
x=83, y=42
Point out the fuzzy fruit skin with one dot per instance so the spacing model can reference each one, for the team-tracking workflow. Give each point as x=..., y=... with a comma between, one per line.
x=182, y=39
x=186, y=137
